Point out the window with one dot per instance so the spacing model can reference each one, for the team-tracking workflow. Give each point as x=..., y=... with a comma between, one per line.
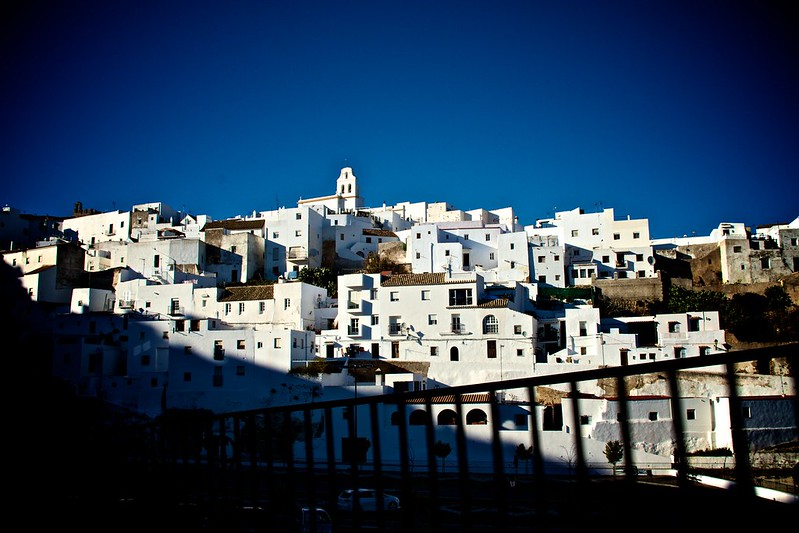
x=425, y=295
x=794, y=241
x=583, y=350
x=275, y=235
x=513, y=264
x=233, y=249
x=594, y=231
x=491, y=256
x=653, y=415
x=278, y=342
x=286, y=303
x=261, y=307
x=606, y=259
x=639, y=257
x=187, y=377
x=373, y=294
x=418, y=235
x=447, y=417
x=298, y=216
x=490, y=325
x=432, y=320
x=240, y=344
x=616, y=236
x=239, y=370
x=679, y=352
x=512, y=246
x=341, y=237
x=368, y=240
x=674, y=327
x=585, y=420
x=446, y=253
x=542, y=279
x=583, y=328
x=228, y=308
x=575, y=233
x=217, y=381
x=765, y=263
x=375, y=320
x=476, y=416
x=517, y=329
x=275, y=254
x=145, y=360
x=219, y=351
x=488, y=236
x=418, y=255
x=241, y=307
x=542, y=259
x=394, y=296
x=736, y=249
x=259, y=344
x=460, y=297
x=434, y=351
x=187, y=350
x=354, y=328
x=636, y=235
x=298, y=233
x=746, y=412
x=690, y=414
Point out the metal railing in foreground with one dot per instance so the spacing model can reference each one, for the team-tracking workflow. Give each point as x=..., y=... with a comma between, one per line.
x=501, y=476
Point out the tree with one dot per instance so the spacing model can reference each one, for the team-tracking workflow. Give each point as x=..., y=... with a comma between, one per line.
x=323, y=277
x=614, y=452
x=442, y=450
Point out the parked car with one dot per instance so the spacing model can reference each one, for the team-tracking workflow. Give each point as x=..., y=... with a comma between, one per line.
x=366, y=500
x=323, y=522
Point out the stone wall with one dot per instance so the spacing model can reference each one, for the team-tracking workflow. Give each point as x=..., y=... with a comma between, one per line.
x=630, y=289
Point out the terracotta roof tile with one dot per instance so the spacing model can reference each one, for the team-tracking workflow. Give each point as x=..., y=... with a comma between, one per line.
x=247, y=292
x=482, y=397
x=379, y=232
x=234, y=224
x=426, y=278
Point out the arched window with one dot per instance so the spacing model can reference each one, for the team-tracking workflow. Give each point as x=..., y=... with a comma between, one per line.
x=418, y=418
x=453, y=353
x=447, y=417
x=476, y=416
x=395, y=418
x=490, y=324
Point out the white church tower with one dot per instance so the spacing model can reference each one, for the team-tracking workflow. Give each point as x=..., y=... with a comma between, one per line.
x=346, y=198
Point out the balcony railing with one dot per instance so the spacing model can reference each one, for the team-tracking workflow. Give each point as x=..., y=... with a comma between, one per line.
x=458, y=329
x=395, y=329
x=353, y=332
x=503, y=471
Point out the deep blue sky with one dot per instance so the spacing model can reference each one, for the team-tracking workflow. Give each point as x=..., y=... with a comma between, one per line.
x=685, y=113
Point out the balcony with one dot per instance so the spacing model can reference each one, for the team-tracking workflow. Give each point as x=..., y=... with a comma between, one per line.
x=353, y=332
x=125, y=304
x=395, y=329
x=457, y=329
x=298, y=254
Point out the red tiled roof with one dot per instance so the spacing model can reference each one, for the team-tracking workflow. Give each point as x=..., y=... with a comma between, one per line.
x=427, y=278
x=234, y=224
x=379, y=232
x=482, y=397
x=247, y=292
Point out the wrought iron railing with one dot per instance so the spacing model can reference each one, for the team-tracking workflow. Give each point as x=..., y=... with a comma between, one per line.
x=277, y=459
